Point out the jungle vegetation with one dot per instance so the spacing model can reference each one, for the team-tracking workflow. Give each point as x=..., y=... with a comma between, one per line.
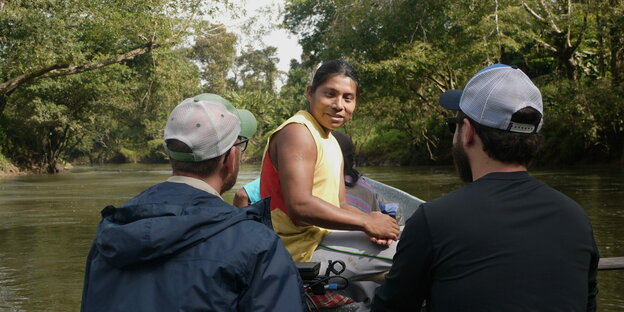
x=85, y=81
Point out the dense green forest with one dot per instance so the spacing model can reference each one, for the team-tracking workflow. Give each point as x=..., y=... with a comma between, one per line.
x=84, y=81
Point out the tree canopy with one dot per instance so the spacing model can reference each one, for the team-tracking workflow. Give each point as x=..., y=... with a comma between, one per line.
x=409, y=51
x=93, y=81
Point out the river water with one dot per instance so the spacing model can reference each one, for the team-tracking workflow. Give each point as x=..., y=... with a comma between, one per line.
x=47, y=222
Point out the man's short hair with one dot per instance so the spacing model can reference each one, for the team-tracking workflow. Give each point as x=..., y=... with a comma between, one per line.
x=507, y=146
x=204, y=168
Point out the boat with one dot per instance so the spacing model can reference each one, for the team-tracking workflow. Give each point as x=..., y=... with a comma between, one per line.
x=407, y=203
x=407, y=206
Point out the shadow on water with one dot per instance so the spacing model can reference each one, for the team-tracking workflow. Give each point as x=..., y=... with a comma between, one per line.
x=47, y=223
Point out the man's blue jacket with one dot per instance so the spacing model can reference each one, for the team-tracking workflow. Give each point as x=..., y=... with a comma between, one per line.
x=177, y=248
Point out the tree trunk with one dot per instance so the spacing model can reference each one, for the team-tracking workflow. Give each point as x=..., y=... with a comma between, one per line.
x=616, y=49
x=3, y=102
x=615, y=34
x=600, y=36
x=51, y=167
x=570, y=67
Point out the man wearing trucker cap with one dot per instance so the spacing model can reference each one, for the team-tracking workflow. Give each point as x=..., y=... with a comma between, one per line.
x=178, y=246
x=505, y=241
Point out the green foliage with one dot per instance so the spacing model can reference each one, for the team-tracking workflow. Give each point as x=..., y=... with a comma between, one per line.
x=407, y=53
x=216, y=51
x=255, y=70
x=97, y=114
x=129, y=155
x=298, y=79
x=583, y=122
x=6, y=167
x=167, y=78
x=270, y=111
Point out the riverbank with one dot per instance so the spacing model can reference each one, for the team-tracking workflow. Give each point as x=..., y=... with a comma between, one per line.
x=7, y=169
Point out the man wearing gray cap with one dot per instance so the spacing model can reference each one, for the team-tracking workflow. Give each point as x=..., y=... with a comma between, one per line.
x=505, y=241
x=178, y=246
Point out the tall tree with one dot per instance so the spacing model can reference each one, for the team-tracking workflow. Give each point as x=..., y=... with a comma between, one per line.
x=67, y=67
x=564, y=25
x=44, y=39
x=216, y=51
x=256, y=69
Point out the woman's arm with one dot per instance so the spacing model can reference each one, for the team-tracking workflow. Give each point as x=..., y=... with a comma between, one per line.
x=293, y=153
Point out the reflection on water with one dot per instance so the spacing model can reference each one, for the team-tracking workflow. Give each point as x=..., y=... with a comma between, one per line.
x=47, y=223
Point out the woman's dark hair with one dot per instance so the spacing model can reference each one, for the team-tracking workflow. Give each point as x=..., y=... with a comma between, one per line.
x=334, y=68
x=202, y=168
x=506, y=146
x=348, y=155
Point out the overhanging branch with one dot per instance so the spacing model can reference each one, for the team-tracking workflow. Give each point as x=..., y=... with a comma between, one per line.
x=96, y=65
x=9, y=86
x=536, y=15
x=546, y=45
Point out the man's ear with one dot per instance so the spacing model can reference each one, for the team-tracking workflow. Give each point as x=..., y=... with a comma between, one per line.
x=309, y=94
x=230, y=161
x=467, y=132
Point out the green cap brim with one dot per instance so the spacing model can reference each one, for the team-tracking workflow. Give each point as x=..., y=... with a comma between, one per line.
x=180, y=156
x=249, y=124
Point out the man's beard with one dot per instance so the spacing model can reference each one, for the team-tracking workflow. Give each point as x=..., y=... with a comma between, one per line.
x=462, y=163
x=230, y=181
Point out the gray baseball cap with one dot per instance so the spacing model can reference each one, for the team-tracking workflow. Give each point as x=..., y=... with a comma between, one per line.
x=209, y=125
x=248, y=122
x=493, y=95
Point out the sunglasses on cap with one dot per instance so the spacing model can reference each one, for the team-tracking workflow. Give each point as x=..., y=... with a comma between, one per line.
x=451, y=123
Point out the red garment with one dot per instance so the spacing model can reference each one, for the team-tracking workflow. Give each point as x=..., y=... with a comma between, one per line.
x=330, y=299
x=270, y=184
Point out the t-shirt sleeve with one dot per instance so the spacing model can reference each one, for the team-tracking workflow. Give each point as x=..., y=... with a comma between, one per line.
x=593, y=279
x=409, y=280
x=253, y=190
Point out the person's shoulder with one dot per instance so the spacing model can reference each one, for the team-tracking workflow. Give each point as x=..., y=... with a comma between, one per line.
x=257, y=236
x=256, y=222
x=149, y=193
x=451, y=199
x=563, y=199
x=294, y=138
x=293, y=129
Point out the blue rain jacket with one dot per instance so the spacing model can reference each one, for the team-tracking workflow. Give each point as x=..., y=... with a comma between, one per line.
x=176, y=248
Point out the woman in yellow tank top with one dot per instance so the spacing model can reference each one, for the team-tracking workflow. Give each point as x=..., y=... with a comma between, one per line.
x=302, y=170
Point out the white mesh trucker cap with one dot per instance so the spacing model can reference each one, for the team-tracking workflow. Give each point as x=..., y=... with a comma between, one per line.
x=207, y=125
x=493, y=95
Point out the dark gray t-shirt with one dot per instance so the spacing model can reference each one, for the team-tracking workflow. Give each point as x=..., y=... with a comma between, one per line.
x=506, y=242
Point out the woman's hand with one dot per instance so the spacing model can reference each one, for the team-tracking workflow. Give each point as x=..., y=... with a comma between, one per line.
x=381, y=228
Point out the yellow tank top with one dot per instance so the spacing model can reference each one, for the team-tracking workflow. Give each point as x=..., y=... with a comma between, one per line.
x=301, y=238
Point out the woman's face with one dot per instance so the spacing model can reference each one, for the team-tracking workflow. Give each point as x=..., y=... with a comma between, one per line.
x=333, y=102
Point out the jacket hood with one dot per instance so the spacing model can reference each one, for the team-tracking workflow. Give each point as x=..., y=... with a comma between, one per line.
x=137, y=233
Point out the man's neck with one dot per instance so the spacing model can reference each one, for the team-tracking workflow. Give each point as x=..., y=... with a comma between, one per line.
x=214, y=183
x=488, y=165
x=481, y=163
